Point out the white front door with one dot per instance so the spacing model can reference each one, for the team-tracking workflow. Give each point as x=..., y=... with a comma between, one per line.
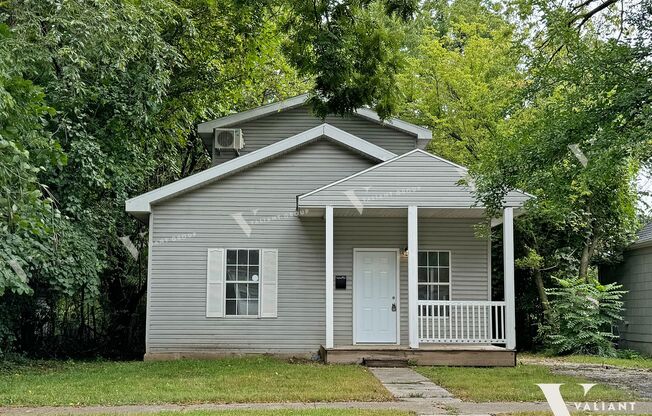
x=376, y=300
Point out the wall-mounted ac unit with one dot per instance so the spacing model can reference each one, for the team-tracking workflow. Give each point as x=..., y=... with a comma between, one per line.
x=228, y=139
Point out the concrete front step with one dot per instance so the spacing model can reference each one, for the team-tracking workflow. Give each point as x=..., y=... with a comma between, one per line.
x=405, y=383
x=387, y=362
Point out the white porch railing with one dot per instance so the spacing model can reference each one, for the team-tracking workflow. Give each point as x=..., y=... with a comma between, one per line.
x=479, y=322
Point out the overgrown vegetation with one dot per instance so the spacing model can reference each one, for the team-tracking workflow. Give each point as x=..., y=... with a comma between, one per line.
x=99, y=98
x=581, y=317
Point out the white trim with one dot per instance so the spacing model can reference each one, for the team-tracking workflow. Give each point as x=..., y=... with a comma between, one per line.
x=421, y=132
x=254, y=113
x=413, y=273
x=337, y=182
x=329, y=277
x=508, y=255
x=260, y=281
x=450, y=269
x=463, y=172
x=148, y=298
x=142, y=203
x=398, y=292
x=298, y=101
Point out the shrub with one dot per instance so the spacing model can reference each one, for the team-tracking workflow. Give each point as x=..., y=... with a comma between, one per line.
x=582, y=317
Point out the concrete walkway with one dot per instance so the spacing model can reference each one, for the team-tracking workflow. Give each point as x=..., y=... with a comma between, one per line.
x=405, y=383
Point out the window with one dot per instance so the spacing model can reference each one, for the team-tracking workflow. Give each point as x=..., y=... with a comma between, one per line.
x=434, y=275
x=242, y=282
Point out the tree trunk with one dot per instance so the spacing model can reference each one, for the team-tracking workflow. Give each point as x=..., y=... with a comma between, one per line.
x=584, y=263
x=587, y=255
x=543, y=296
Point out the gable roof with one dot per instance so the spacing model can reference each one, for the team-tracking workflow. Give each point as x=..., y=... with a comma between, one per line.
x=140, y=206
x=298, y=101
x=644, y=237
x=414, y=178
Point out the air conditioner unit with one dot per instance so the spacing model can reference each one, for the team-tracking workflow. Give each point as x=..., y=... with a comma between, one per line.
x=228, y=139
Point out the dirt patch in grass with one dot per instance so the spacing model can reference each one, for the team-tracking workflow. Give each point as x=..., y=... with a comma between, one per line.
x=637, y=380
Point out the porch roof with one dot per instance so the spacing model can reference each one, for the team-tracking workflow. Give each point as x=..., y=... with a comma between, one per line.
x=416, y=178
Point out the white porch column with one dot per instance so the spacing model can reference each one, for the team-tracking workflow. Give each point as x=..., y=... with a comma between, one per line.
x=329, y=277
x=413, y=269
x=508, y=260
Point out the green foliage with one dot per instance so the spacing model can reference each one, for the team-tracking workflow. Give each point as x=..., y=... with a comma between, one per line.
x=129, y=82
x=451, y=86
x=352, y=49
x=583, y=314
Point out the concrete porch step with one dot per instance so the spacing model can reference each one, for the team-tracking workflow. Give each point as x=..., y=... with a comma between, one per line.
x=385, y=362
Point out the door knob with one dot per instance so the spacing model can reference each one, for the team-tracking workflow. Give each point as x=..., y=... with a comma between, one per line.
x=393, y=307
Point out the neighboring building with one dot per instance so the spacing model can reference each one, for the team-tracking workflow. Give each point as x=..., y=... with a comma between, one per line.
x=635, y=274
x=338, y=235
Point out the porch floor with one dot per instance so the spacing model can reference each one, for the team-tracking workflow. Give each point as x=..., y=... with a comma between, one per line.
x=461, y=355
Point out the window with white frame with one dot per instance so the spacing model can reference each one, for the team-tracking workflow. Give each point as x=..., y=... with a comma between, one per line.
x=434, y=275
x=242, y=282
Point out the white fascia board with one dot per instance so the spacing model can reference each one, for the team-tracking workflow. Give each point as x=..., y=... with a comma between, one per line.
x=466, y=171
x=404, y=126
x=462, y=168
x=208, y=126
x=142, y=203
x=462, y=171
x=238, y=118
x=362, y=172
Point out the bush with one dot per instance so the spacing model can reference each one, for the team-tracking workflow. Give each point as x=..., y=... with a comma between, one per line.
x=582, y=316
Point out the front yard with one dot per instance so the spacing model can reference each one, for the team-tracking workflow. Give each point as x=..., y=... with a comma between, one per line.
x=232, y=380
x=266, y=379
x=514, y=384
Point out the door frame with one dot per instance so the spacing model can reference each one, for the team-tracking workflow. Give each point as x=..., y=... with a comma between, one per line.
x=398, y=294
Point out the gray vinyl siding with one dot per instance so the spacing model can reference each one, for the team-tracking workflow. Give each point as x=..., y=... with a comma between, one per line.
x=414, y=179
x=186, y=226
x=635, y=274
x=469, y=261
x=275, y=127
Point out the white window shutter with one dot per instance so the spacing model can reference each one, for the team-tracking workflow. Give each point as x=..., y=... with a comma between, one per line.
x=269, y=284
x=215, y=270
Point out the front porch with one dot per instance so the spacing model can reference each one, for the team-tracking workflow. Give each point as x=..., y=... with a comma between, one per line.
x=454, y=355
x=414, y=204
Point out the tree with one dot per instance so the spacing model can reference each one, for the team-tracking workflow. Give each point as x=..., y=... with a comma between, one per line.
x=451, y=86
x=576, y=141
x=352, y=49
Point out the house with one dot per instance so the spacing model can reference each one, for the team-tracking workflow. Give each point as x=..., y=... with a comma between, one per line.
x=635, y=274
x=339, y=235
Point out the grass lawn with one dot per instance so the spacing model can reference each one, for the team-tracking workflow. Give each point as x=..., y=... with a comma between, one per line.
x=302, y=412
x=513, y=384
x=232, y=380
x=638, y=362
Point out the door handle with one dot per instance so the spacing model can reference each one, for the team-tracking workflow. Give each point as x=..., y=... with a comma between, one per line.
x=393, y=307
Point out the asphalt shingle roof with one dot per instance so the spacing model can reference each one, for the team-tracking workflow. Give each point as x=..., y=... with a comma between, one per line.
x=645, y=235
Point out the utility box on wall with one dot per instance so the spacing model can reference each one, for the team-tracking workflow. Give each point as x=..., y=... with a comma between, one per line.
x=340, y=282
